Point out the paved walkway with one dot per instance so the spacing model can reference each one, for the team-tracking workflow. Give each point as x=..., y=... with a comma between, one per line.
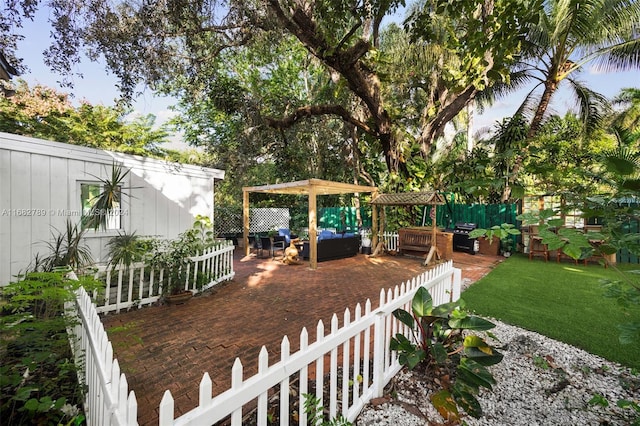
x=171, y=347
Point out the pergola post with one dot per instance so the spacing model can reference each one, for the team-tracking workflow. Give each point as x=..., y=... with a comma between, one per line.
x=313, y=229
x=245, y=222
x=374, y=222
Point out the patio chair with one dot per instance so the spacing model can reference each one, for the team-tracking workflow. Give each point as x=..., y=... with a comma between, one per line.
x=265, y=244
x=536, y=247
x=279, y=243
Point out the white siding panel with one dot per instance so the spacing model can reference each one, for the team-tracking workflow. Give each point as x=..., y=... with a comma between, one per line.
x=138, y=215
x=40, y=202
x=59, y=190
x=5, y=215
x=21, y=237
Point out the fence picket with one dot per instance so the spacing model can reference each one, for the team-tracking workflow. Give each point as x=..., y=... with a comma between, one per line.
x=263, y=365
x=356, y=357
x=236, y=382
x=333, y=372
x=367, y=363
x=206, y=390
x=200, y=265
x=107, y=401
x=320, y=369
x=166, y=409
x=304, y=376
x=285, y=349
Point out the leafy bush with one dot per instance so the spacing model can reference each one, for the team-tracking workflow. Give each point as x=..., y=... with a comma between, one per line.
x=38, y=376
x=438, y=340
x=173, y=255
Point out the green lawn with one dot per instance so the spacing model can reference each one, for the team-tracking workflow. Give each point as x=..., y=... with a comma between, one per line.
x=562, y=301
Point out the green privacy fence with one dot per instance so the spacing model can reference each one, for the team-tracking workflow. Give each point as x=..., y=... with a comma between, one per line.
x=343, y=218
x=485, y=216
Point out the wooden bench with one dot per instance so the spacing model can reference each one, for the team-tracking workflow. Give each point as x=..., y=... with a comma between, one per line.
x=417, y=240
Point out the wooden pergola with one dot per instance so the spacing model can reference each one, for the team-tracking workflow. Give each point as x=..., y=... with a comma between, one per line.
x=311, y=188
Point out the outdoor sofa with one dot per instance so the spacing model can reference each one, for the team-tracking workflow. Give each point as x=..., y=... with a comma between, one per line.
x=333, y=246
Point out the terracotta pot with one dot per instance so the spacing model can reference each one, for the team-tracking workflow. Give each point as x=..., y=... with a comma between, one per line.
x=176, y=299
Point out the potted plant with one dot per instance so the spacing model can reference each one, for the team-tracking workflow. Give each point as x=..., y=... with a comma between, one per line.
x=501, y=233
x=173, y=256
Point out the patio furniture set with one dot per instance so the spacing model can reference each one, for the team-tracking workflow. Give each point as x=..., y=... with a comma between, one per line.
x=331, y=245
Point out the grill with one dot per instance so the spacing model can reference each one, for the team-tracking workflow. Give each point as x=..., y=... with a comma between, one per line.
x=461, y=240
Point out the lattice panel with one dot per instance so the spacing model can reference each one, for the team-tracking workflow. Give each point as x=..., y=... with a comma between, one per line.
x=229, y=221
x=266, y=219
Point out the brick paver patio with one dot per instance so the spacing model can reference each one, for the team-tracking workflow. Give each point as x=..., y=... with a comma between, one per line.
x=171, y=347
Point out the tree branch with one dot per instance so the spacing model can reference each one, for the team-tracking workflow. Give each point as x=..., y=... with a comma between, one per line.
x=317, y=110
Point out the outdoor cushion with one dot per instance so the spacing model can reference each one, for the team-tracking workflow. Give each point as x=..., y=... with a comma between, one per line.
x=286, y=233
x=325, y=235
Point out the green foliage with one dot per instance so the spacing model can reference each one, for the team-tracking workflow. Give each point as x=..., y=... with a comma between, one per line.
x=313, y=408
x=128, y=248
x=438, y=339
x=38, y=376
x=572, y=35
x=173, y=255
x=503, y=232
x=602, y=401
x=67, y=249
x=45, y=113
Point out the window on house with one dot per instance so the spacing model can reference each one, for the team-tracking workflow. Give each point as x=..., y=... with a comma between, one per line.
x=92, y=215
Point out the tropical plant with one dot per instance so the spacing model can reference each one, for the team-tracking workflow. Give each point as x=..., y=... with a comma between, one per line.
x=439, y=340
x=109, y=202
x=313, y=408
x=67, y=249
x=629, y=117
x=46, y=113
x=181, y=47
x=38, y=376
x=503, y=232
x=173, y=255
x=128, y=248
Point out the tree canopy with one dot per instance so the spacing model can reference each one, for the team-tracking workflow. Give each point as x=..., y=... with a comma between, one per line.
x=289, y=89
x=179, y=47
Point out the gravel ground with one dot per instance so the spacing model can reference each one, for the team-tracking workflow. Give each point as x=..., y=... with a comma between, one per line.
x=540, y=381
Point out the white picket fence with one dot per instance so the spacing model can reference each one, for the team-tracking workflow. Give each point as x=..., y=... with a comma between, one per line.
x=390, y=239
x=362, y=344
x=140, y=285
x=108, y=400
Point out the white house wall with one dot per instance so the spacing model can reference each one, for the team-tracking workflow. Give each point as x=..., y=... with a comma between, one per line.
x=40, y=189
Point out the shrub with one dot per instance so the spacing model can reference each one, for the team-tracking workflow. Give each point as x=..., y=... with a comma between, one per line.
x=38, y=376
x=439, y=340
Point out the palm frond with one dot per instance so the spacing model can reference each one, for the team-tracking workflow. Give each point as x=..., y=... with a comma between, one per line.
x=621, y=161
x=592, y=106
x=109, y=199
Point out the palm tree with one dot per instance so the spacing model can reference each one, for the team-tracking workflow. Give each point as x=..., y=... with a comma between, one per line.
x=628, y=119
x=573, y=33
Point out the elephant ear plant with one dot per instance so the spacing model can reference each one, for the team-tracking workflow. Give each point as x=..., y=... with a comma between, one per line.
x=442, y=340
